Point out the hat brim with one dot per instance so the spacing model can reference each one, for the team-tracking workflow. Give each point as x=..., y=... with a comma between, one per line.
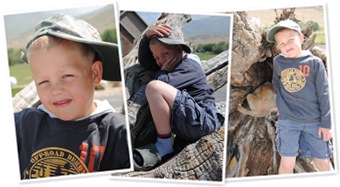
x=275, y=29
x=272, y=32
x=169, y=41
x=107, y=52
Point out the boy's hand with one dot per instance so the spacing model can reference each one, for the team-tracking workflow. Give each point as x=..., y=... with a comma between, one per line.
x=275, y=110
x=325, y=133
x=170, y=65
x=159, y=30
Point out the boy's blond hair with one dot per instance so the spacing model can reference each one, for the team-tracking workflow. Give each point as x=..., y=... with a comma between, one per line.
x=47, y=42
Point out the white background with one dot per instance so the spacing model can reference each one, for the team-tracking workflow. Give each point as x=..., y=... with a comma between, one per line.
x=9, y=175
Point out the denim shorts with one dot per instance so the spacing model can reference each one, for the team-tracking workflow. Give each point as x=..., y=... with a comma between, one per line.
x=191, y=120
x=301, y=139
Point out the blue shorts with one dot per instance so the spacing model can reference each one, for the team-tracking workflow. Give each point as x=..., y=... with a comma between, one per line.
x=301, y=139
x=191, y=120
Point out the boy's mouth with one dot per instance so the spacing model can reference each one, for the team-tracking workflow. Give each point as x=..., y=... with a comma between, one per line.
x=289, y=50
x=62, y=103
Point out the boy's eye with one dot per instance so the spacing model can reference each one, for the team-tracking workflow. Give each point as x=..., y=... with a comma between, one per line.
x=289, y=41
x=66, y=76
x=165, y=54
x=42, y=82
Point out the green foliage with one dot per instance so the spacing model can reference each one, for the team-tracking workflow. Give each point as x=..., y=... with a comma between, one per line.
x=206, y=56
x=110, y=35
x=220, y=47
x=320, y=37
x=22, y=73
x=15, y=91
x=315, y=25
x=204, y=48
x=14, y=56
x=215, y=48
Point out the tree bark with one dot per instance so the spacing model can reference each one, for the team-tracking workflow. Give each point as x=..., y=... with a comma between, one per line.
x=27, y=97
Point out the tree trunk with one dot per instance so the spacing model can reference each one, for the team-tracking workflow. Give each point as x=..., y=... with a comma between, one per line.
x=202, y=160
x=27, y=97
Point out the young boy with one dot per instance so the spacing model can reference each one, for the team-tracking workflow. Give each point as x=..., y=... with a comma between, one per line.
x=180, y=100
x=300, y=79
x=70, y=132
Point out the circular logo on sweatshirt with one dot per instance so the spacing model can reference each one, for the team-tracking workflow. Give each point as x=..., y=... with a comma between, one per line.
x=54, y=161
x=293, y=79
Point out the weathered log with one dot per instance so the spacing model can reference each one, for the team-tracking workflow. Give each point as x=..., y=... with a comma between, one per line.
x=216, y=70
x=201, y=160
x=246, y=50
x=27, y=97
x=251, y=149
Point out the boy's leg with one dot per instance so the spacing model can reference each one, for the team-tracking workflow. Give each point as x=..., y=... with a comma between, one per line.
x=287, y=165
x=323, y=164
x=287, y=142
x=313, y=146
x=161, y=97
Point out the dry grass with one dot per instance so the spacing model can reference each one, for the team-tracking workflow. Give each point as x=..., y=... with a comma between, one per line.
x=304, y=14
x=266, y=17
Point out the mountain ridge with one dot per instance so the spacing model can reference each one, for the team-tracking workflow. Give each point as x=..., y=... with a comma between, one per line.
x=102, y=19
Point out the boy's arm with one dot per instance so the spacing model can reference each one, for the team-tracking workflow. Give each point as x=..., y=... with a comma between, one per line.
x=323, y=95
x=275, y=80
x=145, y=56
x=185, y=74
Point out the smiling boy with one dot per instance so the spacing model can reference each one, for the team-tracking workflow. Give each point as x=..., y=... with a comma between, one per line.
x=300, y=80
x=70, y=132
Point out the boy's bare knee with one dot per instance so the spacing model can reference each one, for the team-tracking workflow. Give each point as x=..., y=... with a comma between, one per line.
x=153, y=86
x=323, y=164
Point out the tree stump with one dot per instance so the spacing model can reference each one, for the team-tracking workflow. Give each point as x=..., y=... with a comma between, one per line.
x=251, y=147
x=201, y=160
x=27, y=97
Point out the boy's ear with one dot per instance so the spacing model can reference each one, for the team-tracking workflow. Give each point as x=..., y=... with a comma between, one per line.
x=97, y=71
x=302, y=37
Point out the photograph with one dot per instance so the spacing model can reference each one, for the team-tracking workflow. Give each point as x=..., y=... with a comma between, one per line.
x=67, y=93
x=176, y=78
x=280, y=105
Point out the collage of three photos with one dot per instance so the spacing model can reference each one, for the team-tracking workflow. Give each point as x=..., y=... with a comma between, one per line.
x=201, y=98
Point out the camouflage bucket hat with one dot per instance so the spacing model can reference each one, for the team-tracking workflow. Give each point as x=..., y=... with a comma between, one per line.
x=69, y=28
x=175, y=38
x=288, y=24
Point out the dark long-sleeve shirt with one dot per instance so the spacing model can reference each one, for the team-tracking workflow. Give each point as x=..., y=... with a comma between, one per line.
x=187, y=75
x=302, y=89
x=48, y=146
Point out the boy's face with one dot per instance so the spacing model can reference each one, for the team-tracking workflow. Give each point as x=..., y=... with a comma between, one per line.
x=289, y=42
x=164, y=54
x=65, y=80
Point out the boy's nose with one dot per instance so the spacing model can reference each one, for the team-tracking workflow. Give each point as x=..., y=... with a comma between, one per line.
x=160, y=62
x=56, y=88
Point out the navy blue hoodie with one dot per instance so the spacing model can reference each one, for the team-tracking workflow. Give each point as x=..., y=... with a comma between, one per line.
x=187, y=75
x=302, y=89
